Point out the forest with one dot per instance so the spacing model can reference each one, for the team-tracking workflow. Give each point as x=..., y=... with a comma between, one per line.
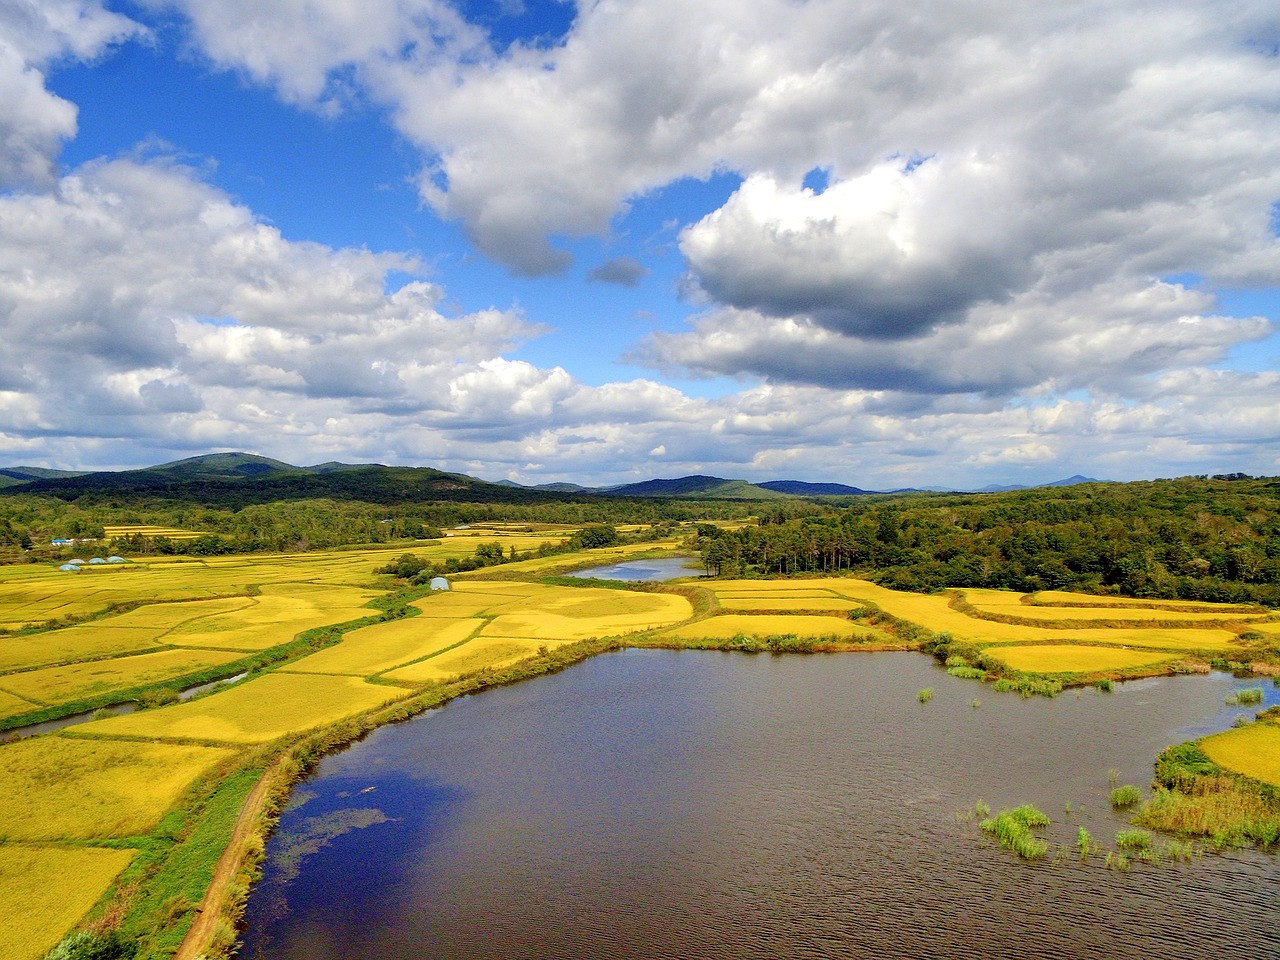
x=1194, y=538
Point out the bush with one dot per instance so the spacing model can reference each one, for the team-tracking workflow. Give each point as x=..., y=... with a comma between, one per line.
x=83, y=945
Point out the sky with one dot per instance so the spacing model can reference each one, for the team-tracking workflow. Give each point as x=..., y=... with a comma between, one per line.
x=938, y=243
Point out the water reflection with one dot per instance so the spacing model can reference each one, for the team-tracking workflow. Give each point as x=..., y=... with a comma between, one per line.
x=681, y=804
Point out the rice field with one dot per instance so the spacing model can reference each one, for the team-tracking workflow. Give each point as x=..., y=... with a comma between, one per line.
x=581, y=613
x=1253, y=750
x=74, y=643
x=68, y=788
x=381, y=647
x=730, y=625
x=42, y=900
x=278, y=615
x=790, y=602
x=1073, y=658
x=262, y=709
x=150, y=531
x=81, y=680
x=483, y=652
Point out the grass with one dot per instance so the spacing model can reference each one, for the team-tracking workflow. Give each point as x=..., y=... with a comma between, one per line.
x=925, y=694
x=256, y=711
x=1013, y=830
x=64, y=788
x=772, y=603
x=1125, y=797
x=46, y=890
x=1196, y=798
x=1250, y=696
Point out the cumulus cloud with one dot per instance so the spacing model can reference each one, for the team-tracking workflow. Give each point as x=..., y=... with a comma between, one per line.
x=34, y=122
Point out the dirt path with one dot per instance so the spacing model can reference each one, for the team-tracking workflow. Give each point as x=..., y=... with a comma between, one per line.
x=201, y=932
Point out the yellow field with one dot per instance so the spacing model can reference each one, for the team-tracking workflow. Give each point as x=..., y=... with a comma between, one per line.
x=728, y=626
x=46, y=890
x=580, y=613
x=73, y=643
x=371, y=650
x=112, y=531
x=77, y=681
x=1066, y=598
x=254, y=712
x=494, y=652
x=11, y=706
x=277, y=616
x=792, y=602
x=1120, y=614
x=166, y=616
x=64, y=788
x=1074, y=658
x=1253, y=750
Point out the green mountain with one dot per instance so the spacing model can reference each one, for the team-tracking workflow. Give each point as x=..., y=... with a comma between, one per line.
x=699, y=487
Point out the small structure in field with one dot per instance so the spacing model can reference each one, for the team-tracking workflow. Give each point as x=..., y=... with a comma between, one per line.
x=96, y=560
x=439, y=583
x=70, y=567
x=115, y=559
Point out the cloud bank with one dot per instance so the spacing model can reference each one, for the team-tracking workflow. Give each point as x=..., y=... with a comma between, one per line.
x=1011, y=262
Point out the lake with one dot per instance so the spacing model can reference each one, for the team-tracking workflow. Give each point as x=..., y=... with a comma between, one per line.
x=681, y=804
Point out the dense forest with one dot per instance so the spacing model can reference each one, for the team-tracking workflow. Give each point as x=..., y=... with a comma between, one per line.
x=1194, y=538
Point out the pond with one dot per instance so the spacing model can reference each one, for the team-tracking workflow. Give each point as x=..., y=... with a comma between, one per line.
x=643, y=571
x=655, y=804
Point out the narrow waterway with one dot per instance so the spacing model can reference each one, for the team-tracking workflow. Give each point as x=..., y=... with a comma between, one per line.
x=679, y=804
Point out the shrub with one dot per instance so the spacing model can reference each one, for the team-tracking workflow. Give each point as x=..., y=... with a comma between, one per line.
x=83, y=945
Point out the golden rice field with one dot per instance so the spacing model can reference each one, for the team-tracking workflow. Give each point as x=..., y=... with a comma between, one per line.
x=381, y=647
x=68, y=788
x=1065, y=598
x=491, y=652
x=111, y=531
x=81, y=680
x=1073, y=658
x=580, y=613
x=11, y=706
x=789, y=602
x=1252, y=750
x=730, y=625
x=262, y=709
x=74, y=643
x=278, y=615
x=46, y=890
x=1202, y=631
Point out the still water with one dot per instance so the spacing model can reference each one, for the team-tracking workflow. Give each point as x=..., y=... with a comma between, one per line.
x=689, y=804
x=644, y=571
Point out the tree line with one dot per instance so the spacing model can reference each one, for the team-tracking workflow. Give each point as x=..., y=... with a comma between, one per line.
x=1195, y=538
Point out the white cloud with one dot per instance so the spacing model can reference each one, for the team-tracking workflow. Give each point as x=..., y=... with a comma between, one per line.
x=34, y=122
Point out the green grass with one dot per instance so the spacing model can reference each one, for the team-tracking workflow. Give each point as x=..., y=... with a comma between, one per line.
x=925, y=694
x=1249, y=696
x=1126, y=796
x=1013, y=830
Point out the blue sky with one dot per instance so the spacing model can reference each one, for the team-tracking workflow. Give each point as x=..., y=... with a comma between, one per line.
x=601, y=242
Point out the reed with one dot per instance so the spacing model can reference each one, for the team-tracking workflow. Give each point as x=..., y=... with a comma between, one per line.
x=1013, y=830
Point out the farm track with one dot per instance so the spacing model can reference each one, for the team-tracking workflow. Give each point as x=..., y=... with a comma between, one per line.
x=209, y=912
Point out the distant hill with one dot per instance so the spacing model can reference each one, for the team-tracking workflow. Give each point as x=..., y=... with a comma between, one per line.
x=23, y=474
x=799, y=488
x=224, y=465
x=1007, y=488
x=696, y=486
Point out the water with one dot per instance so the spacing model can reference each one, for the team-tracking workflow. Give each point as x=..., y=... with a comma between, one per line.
x=655, y=804
x=644, y=571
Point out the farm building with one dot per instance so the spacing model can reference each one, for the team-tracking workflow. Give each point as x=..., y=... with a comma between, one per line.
x=439, y=583
x=70, y=567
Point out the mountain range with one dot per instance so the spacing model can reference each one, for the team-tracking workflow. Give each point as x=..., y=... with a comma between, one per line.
x=242, y=478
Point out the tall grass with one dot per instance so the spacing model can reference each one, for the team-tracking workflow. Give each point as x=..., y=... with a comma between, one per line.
x=1126, y=796
x=1012, y=829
